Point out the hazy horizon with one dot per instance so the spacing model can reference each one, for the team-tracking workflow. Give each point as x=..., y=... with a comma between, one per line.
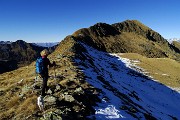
x=52, y=21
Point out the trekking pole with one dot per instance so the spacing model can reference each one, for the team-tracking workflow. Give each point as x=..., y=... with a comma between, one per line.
x=54, y=72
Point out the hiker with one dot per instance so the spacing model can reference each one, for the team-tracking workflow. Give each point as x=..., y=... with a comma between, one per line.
x=44, y=69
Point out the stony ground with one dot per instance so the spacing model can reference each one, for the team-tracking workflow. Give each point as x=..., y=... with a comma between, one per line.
x=68, y=97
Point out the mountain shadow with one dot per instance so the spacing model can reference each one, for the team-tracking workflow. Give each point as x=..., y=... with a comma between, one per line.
x=8, y=65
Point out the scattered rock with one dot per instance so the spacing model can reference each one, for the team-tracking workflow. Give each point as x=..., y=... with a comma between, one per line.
x=50, y=99
x=58, y=87
x=49, y=91
x=69, y=98
x=61, y=97
x=79, y=90
x=2, y=93
x=59, y=56
x=51, y=116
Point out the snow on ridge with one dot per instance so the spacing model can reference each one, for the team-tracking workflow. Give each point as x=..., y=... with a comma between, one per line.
x=126, y=92
x=176, y=89
x=132, y=64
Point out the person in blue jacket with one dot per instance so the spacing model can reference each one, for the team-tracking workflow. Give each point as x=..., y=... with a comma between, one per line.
x=44, y=74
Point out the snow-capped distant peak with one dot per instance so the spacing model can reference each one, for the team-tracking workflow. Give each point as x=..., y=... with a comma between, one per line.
x=174, y=39
x=5, y=42
x=50, y=44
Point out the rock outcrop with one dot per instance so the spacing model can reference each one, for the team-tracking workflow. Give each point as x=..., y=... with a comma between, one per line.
x=129, y=36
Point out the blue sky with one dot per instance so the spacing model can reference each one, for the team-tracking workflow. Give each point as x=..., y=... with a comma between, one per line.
x=52, y=20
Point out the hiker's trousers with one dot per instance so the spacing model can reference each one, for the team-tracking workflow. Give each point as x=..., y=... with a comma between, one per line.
x=44, y=85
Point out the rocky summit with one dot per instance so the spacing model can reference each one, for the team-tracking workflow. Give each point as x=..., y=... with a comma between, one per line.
x=129, y=36
x=91, y=81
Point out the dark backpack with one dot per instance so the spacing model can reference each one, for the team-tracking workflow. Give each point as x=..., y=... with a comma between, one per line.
x=39, y=65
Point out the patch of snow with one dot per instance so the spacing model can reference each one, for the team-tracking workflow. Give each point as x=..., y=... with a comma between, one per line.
x=109, y=112
x=137, y=61
x=125, y=88
x=176, y=89
x=173, y=39
x=165, y=74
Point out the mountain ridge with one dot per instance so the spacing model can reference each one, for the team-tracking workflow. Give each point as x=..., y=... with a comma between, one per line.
x=89, y=82
x=127, y=37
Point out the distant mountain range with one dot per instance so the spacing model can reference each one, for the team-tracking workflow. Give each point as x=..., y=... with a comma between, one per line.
x=174, y=39
x=49, y=44
x=5, y=42
x=19, y=53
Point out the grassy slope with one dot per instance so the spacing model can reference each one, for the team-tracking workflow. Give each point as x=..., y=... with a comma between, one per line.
x=164, y=70
x=126, y=42
x=176, y=44
x=11, y=103
x=19, y=101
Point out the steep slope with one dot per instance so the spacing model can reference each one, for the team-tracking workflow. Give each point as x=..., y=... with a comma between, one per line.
x=129, y=36
x=125, y=91
x=69, y=96
x=176, y=44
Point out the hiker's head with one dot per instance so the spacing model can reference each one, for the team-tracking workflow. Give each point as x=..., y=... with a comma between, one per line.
x=44, y=53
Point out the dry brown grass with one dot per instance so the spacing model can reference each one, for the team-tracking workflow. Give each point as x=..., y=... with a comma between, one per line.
x=20, y=108
x=28, y=106
x=164, y=70
x=8, y=114
x=9, y=106
x=13, y=102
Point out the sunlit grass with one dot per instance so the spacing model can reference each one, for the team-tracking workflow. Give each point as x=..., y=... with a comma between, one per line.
x=164, y=70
